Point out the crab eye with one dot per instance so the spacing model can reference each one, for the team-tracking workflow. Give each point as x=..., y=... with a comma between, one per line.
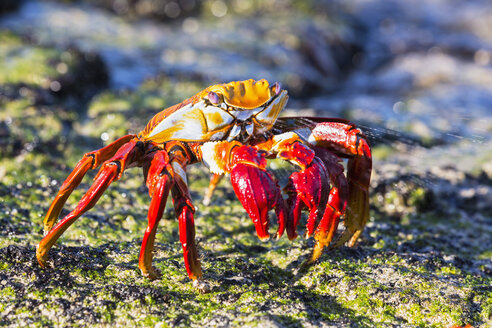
x=276, y=88
x=213, y=98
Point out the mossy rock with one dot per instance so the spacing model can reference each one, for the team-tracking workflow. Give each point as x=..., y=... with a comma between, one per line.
x=57, y=72
x=162, y=10
x=42, y=91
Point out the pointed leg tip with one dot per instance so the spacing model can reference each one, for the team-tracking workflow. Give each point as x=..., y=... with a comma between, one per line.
x=42, y=263
x=41, y=257
x=202, y=286
x=303, y=267
x=276, y=236
x=307, y=263
x=347, y=237
x=342, y=239
x=316, y=254
x=354, y=238
x=292, y=236
x=306, y=235
x=152, y=274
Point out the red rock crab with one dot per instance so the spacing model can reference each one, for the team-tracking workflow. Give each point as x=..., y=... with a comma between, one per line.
x=233, y=129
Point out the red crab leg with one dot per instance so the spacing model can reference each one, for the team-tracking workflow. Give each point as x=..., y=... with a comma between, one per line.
x=349, y=141
x=307, y=187
x=214, y=181
x=256, y=189
x=89, y=161
x=159, y=181
x=187, y=236
x=337, y=201
x=110, y=171
x=184, y=211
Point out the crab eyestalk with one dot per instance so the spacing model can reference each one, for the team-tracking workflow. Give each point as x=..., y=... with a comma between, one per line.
x=213, y=98
x=276, y=88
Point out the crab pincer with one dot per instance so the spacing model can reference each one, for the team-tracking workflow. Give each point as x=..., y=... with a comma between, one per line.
x=309, y=189
x=256, y=189
x=317, y=188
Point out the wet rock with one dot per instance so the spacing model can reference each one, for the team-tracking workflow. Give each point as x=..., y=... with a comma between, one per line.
x=442, y=208
x=35, y=80
x=444, y=190
x=16, y=253
x=8, y=146
x=9, y=5
x=31, y=130
x=305, y=55
x=42, y=74
x=424, y=257
x=164, y=10
x=422, y=69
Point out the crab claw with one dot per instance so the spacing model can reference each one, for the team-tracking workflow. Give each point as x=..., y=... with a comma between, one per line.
x=257, y=191
x=308, y=188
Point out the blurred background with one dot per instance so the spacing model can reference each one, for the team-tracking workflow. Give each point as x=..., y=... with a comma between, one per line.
x=415, y=75
x=422, y=69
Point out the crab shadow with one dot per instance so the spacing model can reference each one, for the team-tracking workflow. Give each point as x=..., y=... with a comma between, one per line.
x=264, y=277
x=73, y=267
x=231, y=273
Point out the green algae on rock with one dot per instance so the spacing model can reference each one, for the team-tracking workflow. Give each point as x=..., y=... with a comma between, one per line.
x=59, y=72
x=425, y=257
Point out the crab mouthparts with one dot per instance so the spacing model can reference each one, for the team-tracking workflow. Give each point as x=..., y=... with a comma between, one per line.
x=241, y=131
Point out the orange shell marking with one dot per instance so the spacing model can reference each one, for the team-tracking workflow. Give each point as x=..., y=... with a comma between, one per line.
x=247, y=94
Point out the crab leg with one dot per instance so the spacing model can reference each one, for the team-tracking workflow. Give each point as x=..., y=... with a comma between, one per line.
x=110, y=171
x=337, y=201
x=309, y=188
x=159, y=181
x=187, y=234
x=214, y=181
x=185, y=212
x=306, y=188
x=348, y=141
x=89, y=161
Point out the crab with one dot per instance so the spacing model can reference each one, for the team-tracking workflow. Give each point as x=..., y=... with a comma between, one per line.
x=233, y=129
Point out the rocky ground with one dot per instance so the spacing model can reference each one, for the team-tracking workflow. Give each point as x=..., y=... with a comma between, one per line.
x=415, y=75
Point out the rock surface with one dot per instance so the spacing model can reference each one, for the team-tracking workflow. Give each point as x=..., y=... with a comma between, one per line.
x=415, y=75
